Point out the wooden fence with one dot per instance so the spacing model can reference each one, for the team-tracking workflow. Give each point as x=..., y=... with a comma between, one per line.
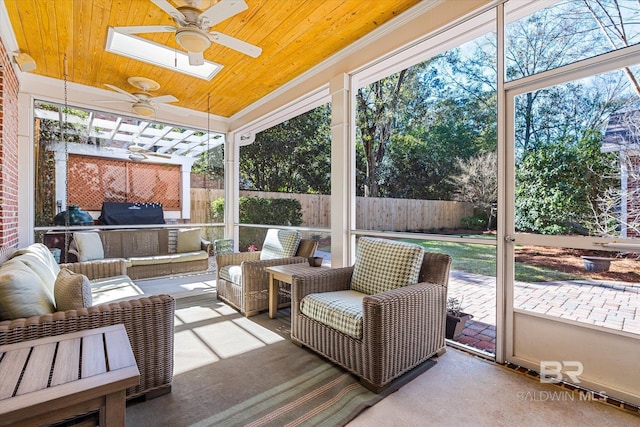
x=371, y=213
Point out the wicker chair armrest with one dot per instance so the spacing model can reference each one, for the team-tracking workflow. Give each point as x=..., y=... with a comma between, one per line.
x=149, y=322
x=99, y=269
x=325, y=280
x=415, y=308
x=236, y=258
x=206, y=245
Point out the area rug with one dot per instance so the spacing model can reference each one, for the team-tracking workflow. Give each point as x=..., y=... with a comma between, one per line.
x=237, y=371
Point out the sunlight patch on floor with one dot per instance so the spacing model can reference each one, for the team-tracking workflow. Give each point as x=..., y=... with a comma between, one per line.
x=196, y=314
x=227, y=339
x=264, y=335
x=190, y=352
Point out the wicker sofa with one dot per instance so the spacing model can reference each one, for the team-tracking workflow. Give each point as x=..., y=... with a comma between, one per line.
x=28, y=312
x=400, y=328
x=242, y=281
x=147, y=252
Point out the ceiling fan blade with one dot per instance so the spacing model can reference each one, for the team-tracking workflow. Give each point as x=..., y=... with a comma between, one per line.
x=165, y=156
x=134, y=148
x=222, y=10
x=141, y=29
x=235, y=44
x=163, y=99
x=122, y=91
x=196, y=58
x=172, y=11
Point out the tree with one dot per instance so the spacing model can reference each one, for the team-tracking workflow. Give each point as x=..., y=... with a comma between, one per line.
x=556, y=191
x=477, y=182
x=210, y=164
x=377, y=108
x=293, y=156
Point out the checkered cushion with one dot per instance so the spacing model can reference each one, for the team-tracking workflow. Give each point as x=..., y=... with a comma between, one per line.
x=280, y=244
x=383, y=264
x=341, y=310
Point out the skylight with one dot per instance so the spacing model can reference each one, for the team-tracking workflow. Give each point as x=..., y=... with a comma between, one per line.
x=157, y=54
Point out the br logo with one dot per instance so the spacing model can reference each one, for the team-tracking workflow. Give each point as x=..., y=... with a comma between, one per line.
x=554, y=371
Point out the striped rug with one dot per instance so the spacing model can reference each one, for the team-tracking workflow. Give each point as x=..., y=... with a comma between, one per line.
x=234, y=371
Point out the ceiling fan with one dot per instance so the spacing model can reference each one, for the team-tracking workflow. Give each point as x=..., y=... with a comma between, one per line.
x=192, y=26
x=138, y=153
x=142, y=102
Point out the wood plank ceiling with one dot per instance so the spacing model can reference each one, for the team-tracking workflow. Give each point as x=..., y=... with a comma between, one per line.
x=294, y=36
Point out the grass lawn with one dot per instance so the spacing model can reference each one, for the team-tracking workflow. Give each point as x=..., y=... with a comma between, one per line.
x=481, y=259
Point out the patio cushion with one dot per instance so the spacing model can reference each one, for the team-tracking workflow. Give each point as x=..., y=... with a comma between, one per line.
x=340, y=310
x=231, y=273
x=72, y=291
x=88, y=246
x=280, y=244
x=383, y=264
x=22, y=293
x=188, y=240
x=39, y=259
x=43, y=252
x=164, y=259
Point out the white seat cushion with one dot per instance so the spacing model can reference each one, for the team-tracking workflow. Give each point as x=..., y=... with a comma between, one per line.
x=114, y=289
x=341, y=310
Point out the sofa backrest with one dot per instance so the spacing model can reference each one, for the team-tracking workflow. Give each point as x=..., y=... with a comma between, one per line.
x=134, y=243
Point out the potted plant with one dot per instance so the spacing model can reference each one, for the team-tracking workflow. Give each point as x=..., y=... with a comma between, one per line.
x=456, y=319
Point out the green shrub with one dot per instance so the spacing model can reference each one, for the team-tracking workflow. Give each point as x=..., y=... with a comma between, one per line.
x=258, y=210
x=477, y=222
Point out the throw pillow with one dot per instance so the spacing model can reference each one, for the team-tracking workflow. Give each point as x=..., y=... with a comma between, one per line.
x=280, y=244
x=383, y=264
x=188, y=240
x=88, y=245
x=72, y=291
x=22, y=293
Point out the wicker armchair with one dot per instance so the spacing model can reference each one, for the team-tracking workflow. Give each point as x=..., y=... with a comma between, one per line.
x=249, y=294
x=401, y=328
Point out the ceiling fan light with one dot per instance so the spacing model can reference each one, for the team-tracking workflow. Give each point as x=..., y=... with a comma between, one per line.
x=192, y=40
x=137, y=157
x=143, y=109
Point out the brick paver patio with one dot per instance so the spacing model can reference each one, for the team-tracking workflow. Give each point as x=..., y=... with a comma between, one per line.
x=614, y=305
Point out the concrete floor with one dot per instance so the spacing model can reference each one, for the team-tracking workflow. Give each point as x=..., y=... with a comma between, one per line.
x=464, y=390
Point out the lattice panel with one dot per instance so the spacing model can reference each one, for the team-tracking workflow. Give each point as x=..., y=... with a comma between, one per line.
x=94, y=180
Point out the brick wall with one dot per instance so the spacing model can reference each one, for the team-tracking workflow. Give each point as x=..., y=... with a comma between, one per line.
x=8, y=151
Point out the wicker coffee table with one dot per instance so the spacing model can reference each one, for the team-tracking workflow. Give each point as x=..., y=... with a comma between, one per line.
x=285, y=273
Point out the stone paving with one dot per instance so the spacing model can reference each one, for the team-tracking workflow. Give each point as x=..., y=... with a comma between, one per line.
x=614, y=305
